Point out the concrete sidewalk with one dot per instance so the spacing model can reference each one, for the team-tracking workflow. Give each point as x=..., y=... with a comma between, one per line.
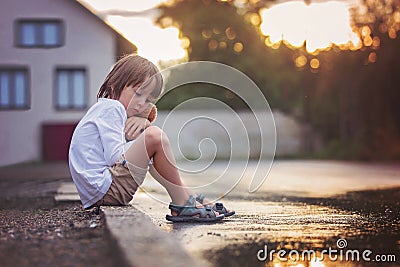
x=34, y=179
x=142, y=242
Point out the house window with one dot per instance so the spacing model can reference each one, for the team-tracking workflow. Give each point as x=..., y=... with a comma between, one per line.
x=39, y=33
x=14, y=88
x=70, y=89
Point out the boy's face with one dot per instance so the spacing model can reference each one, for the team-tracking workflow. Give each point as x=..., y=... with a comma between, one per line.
x=137, y=99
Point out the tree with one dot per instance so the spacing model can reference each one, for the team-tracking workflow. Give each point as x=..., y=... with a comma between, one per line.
x=217, y=32
x=353, y=104
x=351, y=99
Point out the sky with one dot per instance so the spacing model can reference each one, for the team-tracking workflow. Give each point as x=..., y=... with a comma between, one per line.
x=321, y=23
x=135, y=22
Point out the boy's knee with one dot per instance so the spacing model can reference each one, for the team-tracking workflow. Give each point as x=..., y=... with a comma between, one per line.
x=155, y=135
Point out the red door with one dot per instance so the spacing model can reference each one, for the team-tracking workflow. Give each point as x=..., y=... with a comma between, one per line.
x=56, y=138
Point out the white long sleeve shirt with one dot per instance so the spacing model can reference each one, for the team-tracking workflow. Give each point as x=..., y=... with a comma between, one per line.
x=96, y=145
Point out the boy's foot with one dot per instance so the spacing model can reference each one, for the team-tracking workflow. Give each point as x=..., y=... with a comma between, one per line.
x=193, y=211
x=198, y=205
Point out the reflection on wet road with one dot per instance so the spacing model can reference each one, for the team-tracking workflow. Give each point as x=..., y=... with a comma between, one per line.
x=288, y=226
x=348, y=224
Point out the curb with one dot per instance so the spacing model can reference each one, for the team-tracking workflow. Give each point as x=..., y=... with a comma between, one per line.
x=142, y=242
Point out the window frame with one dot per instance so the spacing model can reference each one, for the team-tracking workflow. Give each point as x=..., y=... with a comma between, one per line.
x=39, y=23
x=27, y=94
x=71, y=106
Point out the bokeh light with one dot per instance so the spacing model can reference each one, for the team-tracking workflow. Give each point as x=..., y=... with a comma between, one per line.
x=372, y=57
x=238, y=47
x=314, y=63
x=300, y=61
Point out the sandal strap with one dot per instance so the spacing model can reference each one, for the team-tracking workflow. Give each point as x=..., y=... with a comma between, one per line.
x=174, y=207
x=189, y=203
x=200, y=198
x=206, y=212
x=219, y=207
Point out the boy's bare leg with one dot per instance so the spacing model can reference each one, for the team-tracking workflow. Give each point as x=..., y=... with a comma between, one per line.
x=154, y=143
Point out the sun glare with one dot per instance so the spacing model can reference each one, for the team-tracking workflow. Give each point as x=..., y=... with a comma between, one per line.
x=154, y=43
x=318, y=25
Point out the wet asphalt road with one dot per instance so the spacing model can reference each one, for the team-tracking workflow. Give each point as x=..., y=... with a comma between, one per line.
x=303, y=208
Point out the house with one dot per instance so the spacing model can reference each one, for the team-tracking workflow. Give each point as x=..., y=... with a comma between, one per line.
x=54, y=55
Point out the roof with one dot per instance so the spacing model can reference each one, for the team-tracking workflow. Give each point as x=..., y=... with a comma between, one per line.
x=124, y=46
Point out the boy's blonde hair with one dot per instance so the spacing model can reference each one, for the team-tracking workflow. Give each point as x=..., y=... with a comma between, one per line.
x=130, y=70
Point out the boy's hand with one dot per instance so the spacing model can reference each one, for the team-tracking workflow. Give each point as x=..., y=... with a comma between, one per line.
x=134, y=126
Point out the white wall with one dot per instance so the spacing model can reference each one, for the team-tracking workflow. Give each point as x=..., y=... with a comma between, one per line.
x=88, y=43
x=236, y=133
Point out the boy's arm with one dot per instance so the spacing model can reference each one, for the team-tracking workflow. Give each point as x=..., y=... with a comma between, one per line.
x=110, y=126
x=135, y=125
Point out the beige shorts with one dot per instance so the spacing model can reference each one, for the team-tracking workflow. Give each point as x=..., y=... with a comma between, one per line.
x=122, y=189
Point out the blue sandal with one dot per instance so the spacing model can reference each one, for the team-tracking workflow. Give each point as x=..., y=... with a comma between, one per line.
x=219, y=207
x=190, y=213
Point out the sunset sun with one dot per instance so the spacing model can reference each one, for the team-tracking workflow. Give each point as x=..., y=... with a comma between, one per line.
x=318, y=25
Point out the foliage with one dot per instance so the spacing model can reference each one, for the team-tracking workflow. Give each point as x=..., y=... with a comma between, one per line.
x=355, y=103
x=217, y=32
x=351, y=100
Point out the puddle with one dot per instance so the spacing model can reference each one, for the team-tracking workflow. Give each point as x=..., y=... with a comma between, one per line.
x=365, y=220
x=355, y=235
